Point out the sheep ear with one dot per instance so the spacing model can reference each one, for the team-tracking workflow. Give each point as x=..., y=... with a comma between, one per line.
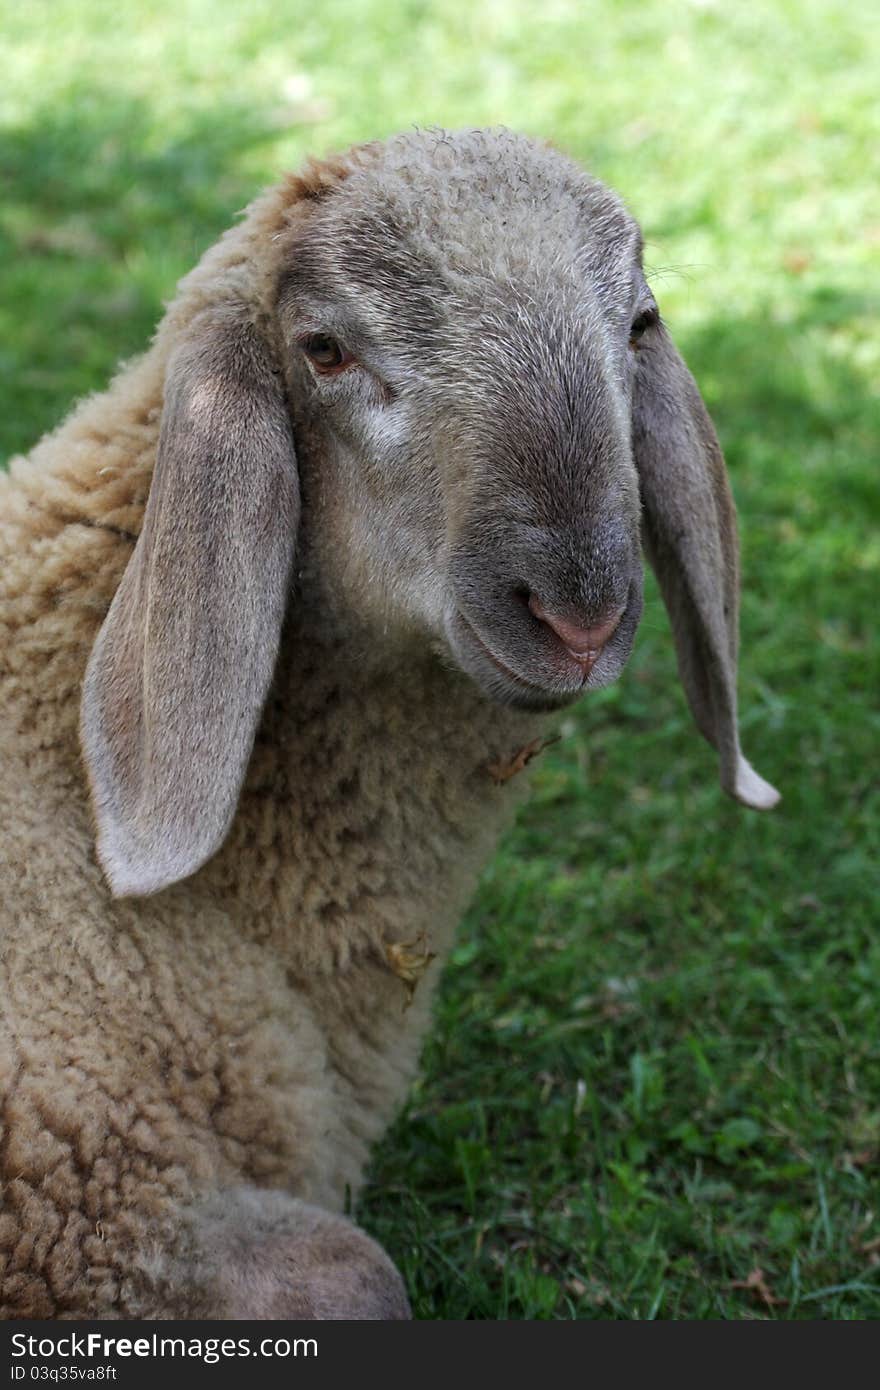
x=180, y=669
x=689, y=532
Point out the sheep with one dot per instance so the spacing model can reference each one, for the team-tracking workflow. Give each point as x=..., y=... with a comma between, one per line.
x=283, y=612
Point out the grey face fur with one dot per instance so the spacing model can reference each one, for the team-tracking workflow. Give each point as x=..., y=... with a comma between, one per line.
x=505, y=414
x=480, y=440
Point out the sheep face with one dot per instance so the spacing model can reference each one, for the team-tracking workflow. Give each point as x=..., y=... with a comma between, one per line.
x=461, y=388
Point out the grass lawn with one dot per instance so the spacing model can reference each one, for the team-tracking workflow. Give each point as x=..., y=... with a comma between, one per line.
x=653, y=1089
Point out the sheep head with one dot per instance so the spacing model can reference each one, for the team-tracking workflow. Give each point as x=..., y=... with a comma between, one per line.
x=446, y=349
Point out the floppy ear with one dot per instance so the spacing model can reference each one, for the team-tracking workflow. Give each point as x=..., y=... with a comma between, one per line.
x=180, y=669
x=689, y=531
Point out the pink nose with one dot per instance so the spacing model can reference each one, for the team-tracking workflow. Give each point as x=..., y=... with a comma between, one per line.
x=583, y=643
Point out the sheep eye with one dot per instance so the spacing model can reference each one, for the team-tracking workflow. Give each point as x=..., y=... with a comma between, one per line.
x=642, y=322
x=325, y=354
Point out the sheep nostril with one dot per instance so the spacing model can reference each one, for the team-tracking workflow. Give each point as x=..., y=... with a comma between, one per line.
x=583, y=643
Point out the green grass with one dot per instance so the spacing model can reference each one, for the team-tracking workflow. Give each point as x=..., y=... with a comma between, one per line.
x=656, y=1065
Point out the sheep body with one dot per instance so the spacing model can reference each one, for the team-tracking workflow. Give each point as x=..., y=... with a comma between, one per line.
x=191, y=1081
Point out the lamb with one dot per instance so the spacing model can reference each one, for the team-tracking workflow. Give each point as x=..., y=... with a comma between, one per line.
x=281, y=613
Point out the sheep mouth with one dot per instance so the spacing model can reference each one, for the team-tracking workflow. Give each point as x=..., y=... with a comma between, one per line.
x=556, y=687
x=517, y=660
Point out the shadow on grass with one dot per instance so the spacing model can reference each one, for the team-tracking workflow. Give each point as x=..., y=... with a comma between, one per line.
x=102, y=211
x=781, y=379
